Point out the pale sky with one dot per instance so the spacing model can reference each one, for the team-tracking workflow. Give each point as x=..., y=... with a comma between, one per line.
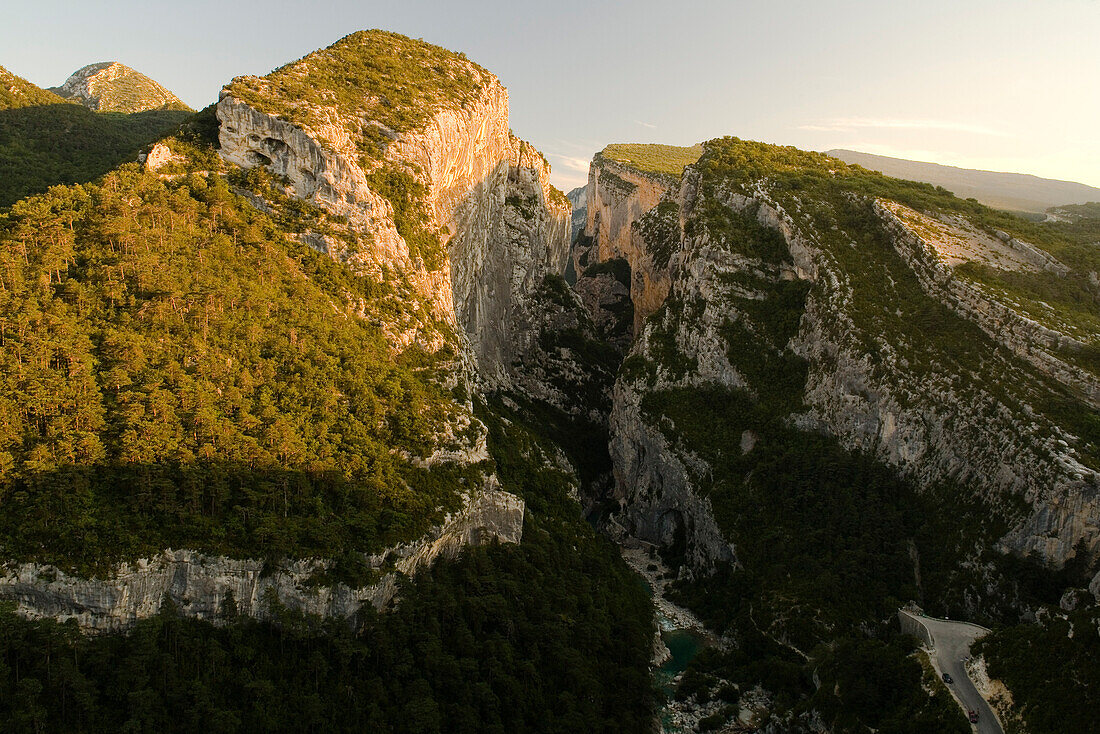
x=1009, y=85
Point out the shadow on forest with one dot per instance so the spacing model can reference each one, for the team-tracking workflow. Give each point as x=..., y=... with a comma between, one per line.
x=85, y=518
x=46, y=145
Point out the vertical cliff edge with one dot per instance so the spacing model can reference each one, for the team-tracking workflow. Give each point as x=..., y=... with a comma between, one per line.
x=428, y=174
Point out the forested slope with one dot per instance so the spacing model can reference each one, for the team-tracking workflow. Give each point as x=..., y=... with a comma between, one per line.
x=813, y=433
x=47, y=140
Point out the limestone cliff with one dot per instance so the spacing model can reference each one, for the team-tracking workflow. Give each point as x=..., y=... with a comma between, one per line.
x=113, y=87
x=930, y=247
x=487, y=202
x=617, y=196
x=415, y=181
x=203, y=586
x=578, y=198
x=956, y=408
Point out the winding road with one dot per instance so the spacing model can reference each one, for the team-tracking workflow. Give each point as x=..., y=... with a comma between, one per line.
x=951, y=647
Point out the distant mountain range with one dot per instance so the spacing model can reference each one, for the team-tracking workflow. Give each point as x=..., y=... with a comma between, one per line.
x=1012, y=191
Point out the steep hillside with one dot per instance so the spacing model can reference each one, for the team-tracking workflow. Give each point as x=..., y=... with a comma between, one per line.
x=857, y=391
x=1034, y=305
x=302, y=426
x=113, y=87
x=1011, y=191
x=46, y=140
x=348, y=368
x=16, y=92
x=625, y=182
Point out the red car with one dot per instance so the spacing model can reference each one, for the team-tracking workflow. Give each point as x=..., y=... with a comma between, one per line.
x=973, y=717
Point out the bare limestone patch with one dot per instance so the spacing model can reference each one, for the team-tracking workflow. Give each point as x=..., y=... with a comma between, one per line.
x=957, y=241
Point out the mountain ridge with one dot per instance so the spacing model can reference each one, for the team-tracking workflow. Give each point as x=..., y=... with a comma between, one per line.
x=1002, y=190
x=46, y=139
x=15, y=92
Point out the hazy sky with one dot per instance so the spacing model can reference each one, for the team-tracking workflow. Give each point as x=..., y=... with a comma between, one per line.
x=1008, y=85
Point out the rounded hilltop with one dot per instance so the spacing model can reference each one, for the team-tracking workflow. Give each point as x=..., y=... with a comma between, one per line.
x=109, y=86
x=395, y=82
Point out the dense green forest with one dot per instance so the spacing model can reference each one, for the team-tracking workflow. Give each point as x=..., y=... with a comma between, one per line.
x=16, y=92
x=827, y=543
x=49, y=144
x=552, y=635
x=179, y=371
x=830, y=542
x=549, y=636
x=1052, y=668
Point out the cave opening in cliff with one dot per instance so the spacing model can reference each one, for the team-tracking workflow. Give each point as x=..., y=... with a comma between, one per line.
x=257, y=158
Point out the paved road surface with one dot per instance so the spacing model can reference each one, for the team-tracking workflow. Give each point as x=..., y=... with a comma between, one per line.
x=952, y=642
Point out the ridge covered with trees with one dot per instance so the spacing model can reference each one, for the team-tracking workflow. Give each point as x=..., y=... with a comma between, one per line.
x=178, y=368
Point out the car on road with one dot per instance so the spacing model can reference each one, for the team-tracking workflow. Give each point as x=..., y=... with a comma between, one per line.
x=947, y=678
x=973, y=717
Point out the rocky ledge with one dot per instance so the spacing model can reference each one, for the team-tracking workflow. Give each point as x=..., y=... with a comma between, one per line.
x=214, y=587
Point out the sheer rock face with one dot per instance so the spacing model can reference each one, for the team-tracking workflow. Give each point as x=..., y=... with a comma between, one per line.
x=200, y=585
x=578, y=198
x=659, y=502
x=113, y=87
x=931, y=426
x=489, y=196
x=509, y=233
x=322, y=167
x=617, y=197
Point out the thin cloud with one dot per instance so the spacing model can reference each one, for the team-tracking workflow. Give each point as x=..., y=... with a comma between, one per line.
x=650, y=125
x=573, y=163
x=584, y=146
x=853, y=124
x=568, y=171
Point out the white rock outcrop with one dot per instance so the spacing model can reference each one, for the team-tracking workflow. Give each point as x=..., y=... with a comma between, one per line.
x=113, y=87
